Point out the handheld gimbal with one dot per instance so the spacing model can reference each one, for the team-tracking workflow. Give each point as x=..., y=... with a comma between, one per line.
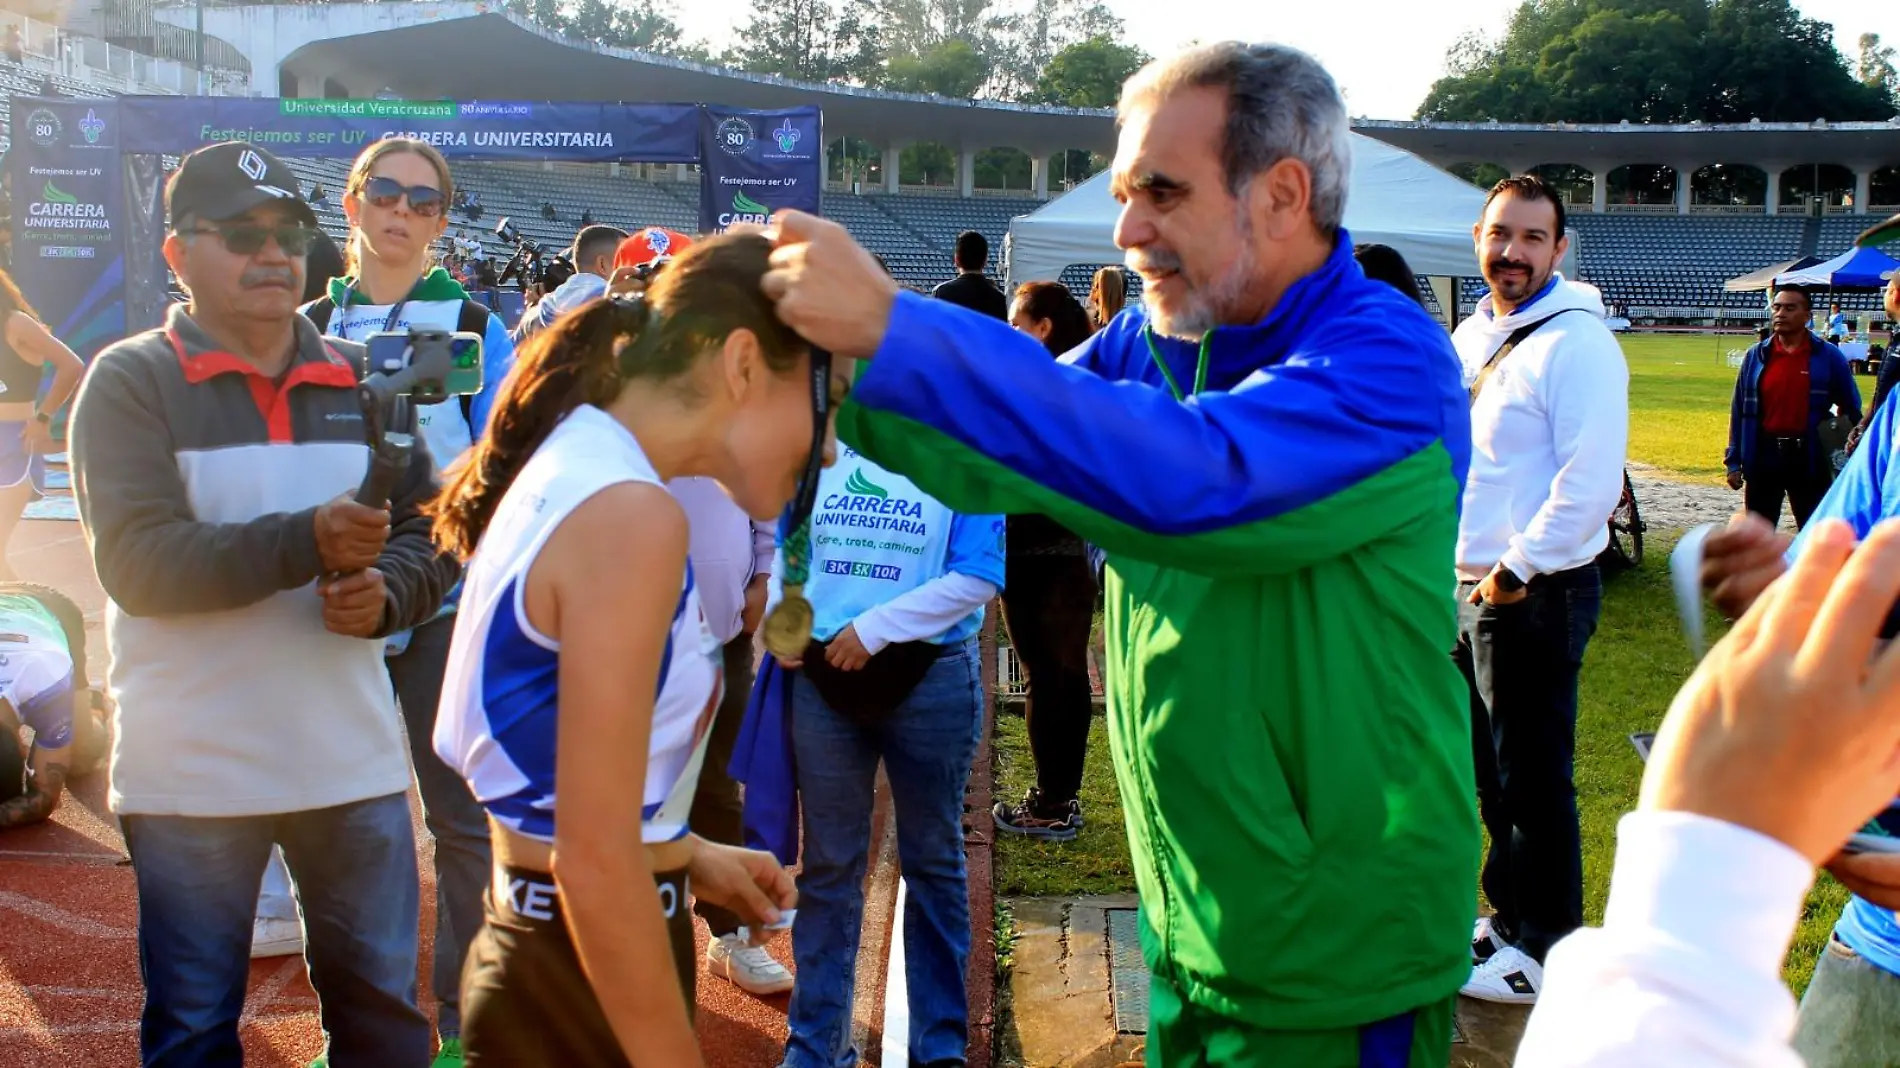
x=394, y=386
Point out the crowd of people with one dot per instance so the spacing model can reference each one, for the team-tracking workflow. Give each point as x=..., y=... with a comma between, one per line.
x=1347, y=563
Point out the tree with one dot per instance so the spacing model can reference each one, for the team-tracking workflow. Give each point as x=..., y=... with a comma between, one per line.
x=811, y=40
x=952, y=68
x=1875, y=66
x=1088, y=74
x=1652, y=61
x=640, y=25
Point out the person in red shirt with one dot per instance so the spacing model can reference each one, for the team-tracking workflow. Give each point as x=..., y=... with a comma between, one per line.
x=1789, y=383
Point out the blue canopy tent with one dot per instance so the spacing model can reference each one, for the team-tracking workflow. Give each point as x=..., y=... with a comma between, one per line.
x=1860, y=268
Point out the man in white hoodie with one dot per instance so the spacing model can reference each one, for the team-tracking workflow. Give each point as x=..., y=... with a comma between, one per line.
x=1549, y=425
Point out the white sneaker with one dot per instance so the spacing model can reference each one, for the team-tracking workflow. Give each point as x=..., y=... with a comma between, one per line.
x=1510, y=977
x=1484, y=941
x=275, y=938
x=749, y=967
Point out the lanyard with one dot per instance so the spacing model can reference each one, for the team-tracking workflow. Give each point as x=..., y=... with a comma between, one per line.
x=349, y=297
x=1200, y=363
x=795, y=524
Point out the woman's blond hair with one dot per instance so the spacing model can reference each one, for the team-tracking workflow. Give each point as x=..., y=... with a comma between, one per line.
x=360, y=176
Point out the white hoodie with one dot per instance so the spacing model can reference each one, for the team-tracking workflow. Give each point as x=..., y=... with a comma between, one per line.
x=1549, y=435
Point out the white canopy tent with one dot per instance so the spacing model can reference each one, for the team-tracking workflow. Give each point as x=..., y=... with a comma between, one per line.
x=1395, y=199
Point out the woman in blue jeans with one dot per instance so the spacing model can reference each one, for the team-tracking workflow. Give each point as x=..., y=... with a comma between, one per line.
x=898, y=585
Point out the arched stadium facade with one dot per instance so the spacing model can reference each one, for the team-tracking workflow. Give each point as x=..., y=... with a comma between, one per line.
x=1663, y=215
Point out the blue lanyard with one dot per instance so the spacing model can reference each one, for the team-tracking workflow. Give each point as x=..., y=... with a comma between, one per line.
x=349, y=296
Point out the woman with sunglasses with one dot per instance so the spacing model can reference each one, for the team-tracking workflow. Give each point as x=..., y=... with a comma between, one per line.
x=27, y=350
x=583, y=669
x=395, y=200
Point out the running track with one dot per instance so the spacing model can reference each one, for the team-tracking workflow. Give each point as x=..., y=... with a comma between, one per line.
x=69, y=980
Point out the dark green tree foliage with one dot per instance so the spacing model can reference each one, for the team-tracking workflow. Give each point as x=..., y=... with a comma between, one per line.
x=1653, y=61
x=812, y=41
x=1088, y=74
x=641, y=25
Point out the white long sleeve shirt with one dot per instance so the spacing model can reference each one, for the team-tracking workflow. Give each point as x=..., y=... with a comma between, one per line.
x=1549, y=433
x=1686, y=970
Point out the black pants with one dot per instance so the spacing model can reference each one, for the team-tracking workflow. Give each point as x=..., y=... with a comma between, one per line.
x=1782, y=467
x=718, y=813
x=1049, y=606
x=1522, y=662
x=456, y=821
x=526, y=1003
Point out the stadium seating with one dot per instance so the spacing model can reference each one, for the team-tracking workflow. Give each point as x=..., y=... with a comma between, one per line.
x=1651, y=267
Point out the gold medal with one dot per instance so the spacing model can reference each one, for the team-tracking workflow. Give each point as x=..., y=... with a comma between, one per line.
x=788, y=625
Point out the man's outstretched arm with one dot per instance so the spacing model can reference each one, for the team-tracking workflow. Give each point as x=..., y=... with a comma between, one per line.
x=1282, y=470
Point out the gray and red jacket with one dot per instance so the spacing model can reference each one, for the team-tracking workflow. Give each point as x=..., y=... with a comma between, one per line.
x=198, y=479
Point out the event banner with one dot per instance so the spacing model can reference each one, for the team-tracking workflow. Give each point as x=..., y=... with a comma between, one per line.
x=757, y=162
x=68, y=218
x=497, y=130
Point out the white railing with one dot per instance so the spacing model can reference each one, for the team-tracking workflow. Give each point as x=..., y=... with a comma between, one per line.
x=47, y=49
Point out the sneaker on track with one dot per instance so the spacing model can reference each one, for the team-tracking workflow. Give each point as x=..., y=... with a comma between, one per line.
x=275, y=938
x=1510, y=977
x=1033, y=819
x=1484, y=941
x=750, y=968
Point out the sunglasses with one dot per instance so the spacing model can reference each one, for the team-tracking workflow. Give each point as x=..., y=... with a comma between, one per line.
x=245, y=239
x=384, y=192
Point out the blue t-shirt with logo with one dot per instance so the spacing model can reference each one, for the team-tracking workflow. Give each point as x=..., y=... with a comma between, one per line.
x=1866, y=493
x=876, y=536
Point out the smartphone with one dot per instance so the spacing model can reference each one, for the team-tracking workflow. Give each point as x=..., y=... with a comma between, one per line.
x=389, y=352
x=1879, y=835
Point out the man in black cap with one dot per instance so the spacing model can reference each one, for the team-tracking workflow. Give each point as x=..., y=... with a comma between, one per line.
x=213, y=462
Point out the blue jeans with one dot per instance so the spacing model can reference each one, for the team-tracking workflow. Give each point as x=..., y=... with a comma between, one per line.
x=455, y=819
x=354, y=867
x=927, y=746
x=1850, y=1015
x=1522, y=661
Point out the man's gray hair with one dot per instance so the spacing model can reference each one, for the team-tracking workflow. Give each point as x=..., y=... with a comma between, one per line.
x=1281, y=104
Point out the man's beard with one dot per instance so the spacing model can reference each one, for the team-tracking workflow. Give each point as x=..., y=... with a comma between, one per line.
x=1510, y=294
x=1206, y=307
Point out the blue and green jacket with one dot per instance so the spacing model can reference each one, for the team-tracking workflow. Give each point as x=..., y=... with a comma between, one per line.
x=1291, y=739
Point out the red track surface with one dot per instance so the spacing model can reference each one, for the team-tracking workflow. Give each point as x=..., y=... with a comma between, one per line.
x=69, y=979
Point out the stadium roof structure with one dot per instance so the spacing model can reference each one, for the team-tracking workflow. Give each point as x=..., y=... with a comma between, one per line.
x=1521, y=146
x=476, y=51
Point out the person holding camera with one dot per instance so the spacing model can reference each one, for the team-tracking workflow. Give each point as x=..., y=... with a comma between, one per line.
x=214, y=462
x=395, y=199
x=593, y=256
x=584, y=675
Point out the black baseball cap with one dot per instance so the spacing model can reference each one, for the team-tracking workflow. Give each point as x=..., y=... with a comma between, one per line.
x=226, y=180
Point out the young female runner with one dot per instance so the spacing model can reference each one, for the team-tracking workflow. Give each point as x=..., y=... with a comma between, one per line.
x=582, y=668
x=27, y=348
x=43, y=686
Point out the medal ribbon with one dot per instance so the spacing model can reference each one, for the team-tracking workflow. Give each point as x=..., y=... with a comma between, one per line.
x=794, y=526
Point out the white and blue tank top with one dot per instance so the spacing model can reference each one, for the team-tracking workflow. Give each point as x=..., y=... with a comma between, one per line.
x=500, y=696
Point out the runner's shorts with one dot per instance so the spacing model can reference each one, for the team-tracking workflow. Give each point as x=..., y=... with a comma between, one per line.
x=17, y=462
x=526, y=1003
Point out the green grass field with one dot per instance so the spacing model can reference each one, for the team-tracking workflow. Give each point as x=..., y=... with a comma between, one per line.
x=1680, y=387
x=1679, y=400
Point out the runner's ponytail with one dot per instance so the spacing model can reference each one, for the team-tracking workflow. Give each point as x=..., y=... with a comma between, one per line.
x=587, y=356
x=574, y=362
